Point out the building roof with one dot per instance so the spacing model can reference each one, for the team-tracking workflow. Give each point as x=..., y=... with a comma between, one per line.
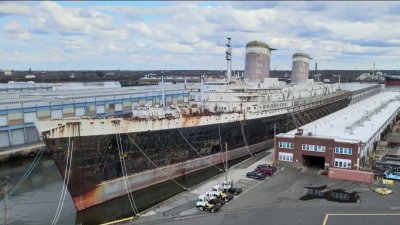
x=14, y=100
x=354, y=86
x=355, y=123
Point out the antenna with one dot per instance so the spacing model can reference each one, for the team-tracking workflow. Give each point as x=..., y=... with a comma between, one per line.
x=202, y=93
x=228, y=59
x=163, y=92
x=373, y=70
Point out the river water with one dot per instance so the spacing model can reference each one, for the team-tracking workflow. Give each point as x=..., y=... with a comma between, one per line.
x=36, y=202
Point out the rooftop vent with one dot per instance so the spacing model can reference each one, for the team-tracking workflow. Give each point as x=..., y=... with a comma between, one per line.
x=299, y=132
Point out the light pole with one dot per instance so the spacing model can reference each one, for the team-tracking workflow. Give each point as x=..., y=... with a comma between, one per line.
x=226, y=163
x=5, y=183
x=338, y=80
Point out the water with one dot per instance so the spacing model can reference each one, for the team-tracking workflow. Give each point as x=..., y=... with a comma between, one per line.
x=35, y=203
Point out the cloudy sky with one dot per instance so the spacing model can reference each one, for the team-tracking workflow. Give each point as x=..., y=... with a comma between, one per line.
x=192, y=35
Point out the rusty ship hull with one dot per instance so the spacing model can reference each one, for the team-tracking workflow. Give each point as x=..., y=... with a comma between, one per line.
x=96, y=175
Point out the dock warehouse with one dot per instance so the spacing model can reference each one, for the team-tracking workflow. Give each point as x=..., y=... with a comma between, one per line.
x=343, y=139
x=20, y=107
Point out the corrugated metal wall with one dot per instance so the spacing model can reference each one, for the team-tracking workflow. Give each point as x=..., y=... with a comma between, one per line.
x=100, y=109
x=56, y=113
x=3, y=120
x=30, y=117
x=32, y=135
x=15, y=119
x=118, y=107
x=80, y=111
x=4, y=142
x=17, y=136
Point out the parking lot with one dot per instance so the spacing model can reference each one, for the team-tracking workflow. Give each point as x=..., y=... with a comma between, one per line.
x=276, y=200
x=362, y=218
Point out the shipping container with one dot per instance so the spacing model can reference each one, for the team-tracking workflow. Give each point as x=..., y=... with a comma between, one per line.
x=352, y=175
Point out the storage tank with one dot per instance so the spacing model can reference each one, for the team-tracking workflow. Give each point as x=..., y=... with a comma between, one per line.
x=300, y=67
x=257, y=61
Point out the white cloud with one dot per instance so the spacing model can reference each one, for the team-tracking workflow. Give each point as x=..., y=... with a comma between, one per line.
x=170, y=35
x=15, y=31
x=16, y=8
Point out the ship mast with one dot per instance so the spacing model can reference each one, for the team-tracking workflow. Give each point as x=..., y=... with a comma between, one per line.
x=163, y=92
x=228, y=59
x=202, y=93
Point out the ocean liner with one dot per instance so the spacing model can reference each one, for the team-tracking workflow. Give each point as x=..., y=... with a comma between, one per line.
x=110, y=156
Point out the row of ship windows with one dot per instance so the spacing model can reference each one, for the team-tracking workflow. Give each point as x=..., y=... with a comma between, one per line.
x=276, y=105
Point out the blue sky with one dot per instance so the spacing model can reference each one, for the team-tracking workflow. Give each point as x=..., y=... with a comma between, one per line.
x=143, y=35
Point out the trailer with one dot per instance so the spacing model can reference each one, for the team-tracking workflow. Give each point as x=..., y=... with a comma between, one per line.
x=352, y=175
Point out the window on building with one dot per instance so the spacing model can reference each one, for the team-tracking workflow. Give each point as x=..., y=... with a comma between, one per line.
x=345, y=151
x=317, y=148
x=286, y=145
x=283, y=156
x=342, y=163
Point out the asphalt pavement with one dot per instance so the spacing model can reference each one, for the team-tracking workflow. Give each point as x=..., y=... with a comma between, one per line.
x=276, y=201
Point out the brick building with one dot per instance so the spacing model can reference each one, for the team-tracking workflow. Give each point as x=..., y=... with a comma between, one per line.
x=343, y=139
x=319, y=151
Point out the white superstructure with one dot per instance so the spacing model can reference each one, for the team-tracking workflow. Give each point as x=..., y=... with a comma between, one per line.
x=224, y=102
x=361, y=122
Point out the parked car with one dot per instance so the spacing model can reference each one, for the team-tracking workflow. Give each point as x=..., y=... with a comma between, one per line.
x=393, y=175
x=383, y=191
x=228, y=187
x=256, y=175
x=214, y=199
x=219, y=193
x=205, y=204
x=273, y=168
x=264, y=170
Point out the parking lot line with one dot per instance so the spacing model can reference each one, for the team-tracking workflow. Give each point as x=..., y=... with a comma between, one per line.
x=357, y=214
x=326, y=219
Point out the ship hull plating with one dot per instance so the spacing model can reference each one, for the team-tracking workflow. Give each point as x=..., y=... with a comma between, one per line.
x=96, y=174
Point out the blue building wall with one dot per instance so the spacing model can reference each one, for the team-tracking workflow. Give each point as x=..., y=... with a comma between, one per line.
x=16, y=123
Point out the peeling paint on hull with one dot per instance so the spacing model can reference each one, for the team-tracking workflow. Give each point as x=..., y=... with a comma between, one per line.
x=116, y=188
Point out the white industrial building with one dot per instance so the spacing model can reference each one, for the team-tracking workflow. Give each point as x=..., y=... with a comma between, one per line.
x=358, y=127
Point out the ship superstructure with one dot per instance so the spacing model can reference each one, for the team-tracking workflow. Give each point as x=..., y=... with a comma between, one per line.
x=157, y=143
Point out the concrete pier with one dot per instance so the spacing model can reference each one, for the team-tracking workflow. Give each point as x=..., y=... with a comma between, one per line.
x=18, y=152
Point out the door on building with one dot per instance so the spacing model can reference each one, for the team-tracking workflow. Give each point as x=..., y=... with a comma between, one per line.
x=314, y=161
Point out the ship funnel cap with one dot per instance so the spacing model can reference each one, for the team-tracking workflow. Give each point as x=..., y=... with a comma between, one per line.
x=301, y=54
x=258, y=44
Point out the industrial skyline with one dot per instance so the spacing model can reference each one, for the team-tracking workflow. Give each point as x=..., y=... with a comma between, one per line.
x=191, y=35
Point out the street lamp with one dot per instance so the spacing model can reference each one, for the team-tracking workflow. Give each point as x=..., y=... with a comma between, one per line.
x=4, y=182
x=339, y=80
